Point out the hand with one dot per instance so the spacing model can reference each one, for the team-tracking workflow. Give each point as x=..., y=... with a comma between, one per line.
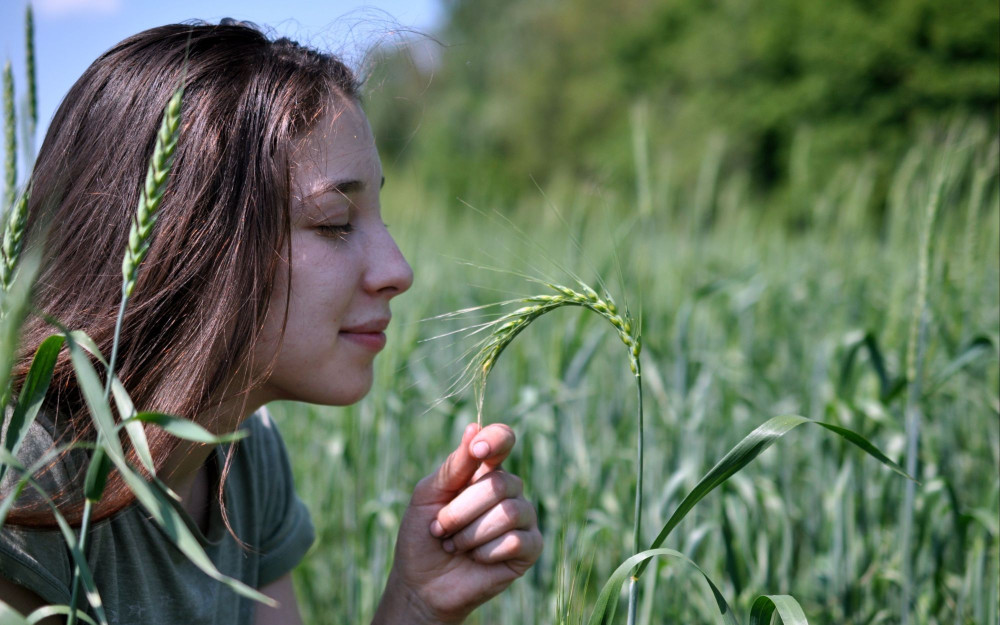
x=467, y=534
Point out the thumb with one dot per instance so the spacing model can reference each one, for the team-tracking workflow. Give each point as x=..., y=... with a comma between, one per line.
x=452, y=476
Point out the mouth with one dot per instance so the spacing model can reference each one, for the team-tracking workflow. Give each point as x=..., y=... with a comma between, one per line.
x=370, y=334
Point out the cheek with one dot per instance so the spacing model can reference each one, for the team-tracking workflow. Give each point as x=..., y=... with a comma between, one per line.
x=325, y=278
x=277, y=304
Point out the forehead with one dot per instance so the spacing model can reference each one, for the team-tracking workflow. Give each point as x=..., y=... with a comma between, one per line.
x=340, y=146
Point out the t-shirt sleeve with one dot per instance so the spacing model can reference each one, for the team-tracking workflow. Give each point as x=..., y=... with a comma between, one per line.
x=287, y=531
x=37, y=560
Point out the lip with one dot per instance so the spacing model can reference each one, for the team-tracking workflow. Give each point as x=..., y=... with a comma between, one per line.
x=370, y=334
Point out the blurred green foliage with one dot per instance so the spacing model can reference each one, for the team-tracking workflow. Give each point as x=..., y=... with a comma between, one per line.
x=543, y=90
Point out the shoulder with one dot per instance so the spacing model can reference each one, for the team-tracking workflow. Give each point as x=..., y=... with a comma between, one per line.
x=37, y=560
x=261, y=427
x=262, y=478
x=57, y=471
x=263, y=446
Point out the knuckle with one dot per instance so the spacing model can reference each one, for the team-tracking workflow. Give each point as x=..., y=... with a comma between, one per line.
x=480, y=554
x=450, y=464
x=537, y=543
x=510, y=509
x=447, y=519
x=461, y=541
x=498, y=485
x=529, y=517
x=424, y=484
x=514, y=542
x=504, y=431
x=516, y=485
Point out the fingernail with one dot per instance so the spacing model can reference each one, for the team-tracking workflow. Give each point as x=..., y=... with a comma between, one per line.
x=436, y=528
x=448, y=545
x=481, y=449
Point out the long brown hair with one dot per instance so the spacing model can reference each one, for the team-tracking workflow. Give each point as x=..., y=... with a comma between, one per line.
x=204, y=287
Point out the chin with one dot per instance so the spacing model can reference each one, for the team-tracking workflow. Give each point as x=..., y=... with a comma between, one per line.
x=341, y=394
x=348, y=399
x=325, y=390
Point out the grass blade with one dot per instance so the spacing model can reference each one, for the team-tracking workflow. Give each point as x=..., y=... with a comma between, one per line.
x=82, y=570
x=870, y=344
x=10, y=616
x=159, y=504
x=746, y=451
x=122, y=400
x=29, y=400
x=55, y=610
x=607, y=600
x=788, y=609
x=976, y=348
x=185, y=428
x=13, y=307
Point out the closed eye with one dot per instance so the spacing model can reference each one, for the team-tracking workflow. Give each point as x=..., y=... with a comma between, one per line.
x=339, y=231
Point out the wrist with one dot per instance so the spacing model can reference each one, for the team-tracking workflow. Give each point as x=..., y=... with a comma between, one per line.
x=401, y=604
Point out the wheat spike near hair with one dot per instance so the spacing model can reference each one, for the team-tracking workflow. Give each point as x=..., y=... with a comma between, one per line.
x=152, y=192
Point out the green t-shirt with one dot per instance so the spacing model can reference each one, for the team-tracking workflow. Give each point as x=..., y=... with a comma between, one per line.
x=141, y=576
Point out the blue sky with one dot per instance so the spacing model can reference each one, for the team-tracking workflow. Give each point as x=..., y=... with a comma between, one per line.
x=70, y=34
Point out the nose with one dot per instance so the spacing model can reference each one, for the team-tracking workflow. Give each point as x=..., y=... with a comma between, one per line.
x=388, y=272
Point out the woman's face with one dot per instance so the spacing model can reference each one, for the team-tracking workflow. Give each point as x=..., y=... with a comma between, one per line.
x=345, y=267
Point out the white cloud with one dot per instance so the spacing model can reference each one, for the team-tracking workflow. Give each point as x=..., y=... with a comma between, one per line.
x=62, y=8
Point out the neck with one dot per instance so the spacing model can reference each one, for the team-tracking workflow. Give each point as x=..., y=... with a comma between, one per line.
x=188, y=459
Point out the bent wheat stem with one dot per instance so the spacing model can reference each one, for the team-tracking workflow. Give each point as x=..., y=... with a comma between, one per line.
x=507, y=327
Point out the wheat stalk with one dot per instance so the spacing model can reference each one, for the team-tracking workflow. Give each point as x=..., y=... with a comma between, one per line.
x=506, y=328
x=139, y=238
x=912, y=411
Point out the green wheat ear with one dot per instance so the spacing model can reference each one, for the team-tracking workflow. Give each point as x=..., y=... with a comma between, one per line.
x=29, y=62
x=152, y=192
x=13, y=233
x=507, y=327
x=16, y=208
x=10, y=137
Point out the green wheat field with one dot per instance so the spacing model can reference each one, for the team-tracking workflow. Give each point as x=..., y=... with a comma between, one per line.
x=860, y=289
x=745, y=315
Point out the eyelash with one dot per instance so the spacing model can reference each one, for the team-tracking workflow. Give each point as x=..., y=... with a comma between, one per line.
x=338, y=231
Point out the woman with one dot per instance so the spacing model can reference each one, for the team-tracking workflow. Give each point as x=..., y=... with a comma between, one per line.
x=269, y=277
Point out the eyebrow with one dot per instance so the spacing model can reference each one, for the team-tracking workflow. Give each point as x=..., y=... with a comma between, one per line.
x=342, y=187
